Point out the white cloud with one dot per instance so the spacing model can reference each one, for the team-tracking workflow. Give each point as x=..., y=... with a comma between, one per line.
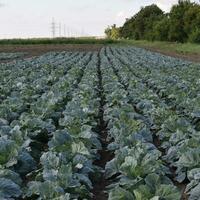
x=120, y=17
x=121, y=14
x=90, y=15
x=166, y=5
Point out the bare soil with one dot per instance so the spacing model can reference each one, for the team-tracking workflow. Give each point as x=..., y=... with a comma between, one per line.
x=190, y=56
x=105, y=156
x=99, y=186
x=37, y=50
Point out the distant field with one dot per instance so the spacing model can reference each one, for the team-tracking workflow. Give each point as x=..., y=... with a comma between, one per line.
x=168, y=46
x=187, y=50
x=85, y=40
x=113, y=123
x=31, y=50
x=37, y=46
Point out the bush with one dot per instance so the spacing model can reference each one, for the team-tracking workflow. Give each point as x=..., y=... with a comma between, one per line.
x=194, y=37
x=181, y=24
x=161, y=29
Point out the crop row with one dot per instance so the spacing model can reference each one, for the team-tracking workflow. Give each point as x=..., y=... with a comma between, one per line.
x=174, y=125
x=123, y=120
x=10, y=56
x=29, y=140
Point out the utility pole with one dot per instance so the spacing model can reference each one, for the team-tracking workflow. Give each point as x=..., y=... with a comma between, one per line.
x=60, y=29
x=82, y=32
x=64, y=30
x=53, y=28
x=68, y=32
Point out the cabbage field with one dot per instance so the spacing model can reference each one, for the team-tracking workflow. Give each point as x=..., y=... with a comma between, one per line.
x=119, y=124
x=8, y=56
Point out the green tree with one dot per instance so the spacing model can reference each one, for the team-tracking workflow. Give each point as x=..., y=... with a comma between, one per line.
x=192, y=19
x=140, y=26
x=182, y=24
x=161, y=29
x=113, y=32
x=128, y=30
x=108, y=32
x=177, y=32
x=194, y=36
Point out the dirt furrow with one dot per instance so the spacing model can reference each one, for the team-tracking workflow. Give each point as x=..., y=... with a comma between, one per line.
x=105, y=155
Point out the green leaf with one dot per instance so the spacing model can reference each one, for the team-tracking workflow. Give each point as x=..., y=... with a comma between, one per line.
x=17, y=135
x=86, y=132
x=190, y=159
x=84, y=179
x=25, y=163
x=9, y=189
x=195, y=193
x=5, y=130
x=79, y=148
x=129, y=162
x=152, y=180
x=60, y=137
x=168, y=192
x=143, y=192
x=50, y=160
x=111, y=168
x=8, y=174
x=3, y=122
x=8, y=152
x=46, y=190
x=194, y=174
x=120, y=194
x=155, y=198
x=65, y=176
x=63, y=197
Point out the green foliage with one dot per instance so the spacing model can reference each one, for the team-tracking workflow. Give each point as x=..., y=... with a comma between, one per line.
x=141, y=25
x=120, y=194
x=113, y=32
x=182, y=24
x=49, y=149
x=194, y=37
x=160, y=29
x=8, y=189
x=192, y=18
x=37, y=41
x=177, y=32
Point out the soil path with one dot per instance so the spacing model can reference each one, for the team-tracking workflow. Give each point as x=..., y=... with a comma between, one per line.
x=37, y=50
x=190, y=57
x=105, y=154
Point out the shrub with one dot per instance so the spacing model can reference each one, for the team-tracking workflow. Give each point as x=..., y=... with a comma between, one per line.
x=194, y=37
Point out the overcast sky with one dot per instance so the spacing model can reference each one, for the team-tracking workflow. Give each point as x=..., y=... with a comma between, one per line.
x=32, y=18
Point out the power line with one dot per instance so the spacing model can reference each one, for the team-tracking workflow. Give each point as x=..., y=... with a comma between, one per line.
x=53, y=28
x=68, y=32
x=64, y=30
x=60, y=27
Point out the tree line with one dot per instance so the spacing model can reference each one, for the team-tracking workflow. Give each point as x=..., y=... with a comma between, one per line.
x=181, y=24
